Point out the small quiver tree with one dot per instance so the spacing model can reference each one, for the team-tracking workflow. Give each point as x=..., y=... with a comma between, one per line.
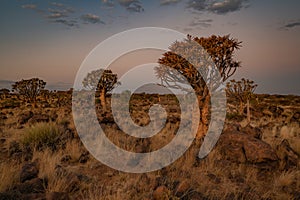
x=29, y=89
x=242, y=91
x=101, y=81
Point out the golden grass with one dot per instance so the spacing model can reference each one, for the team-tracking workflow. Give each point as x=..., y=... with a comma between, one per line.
x=9, y=175
x=41, y=134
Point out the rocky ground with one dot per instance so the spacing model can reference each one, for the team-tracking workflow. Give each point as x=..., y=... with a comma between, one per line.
x=42, y=157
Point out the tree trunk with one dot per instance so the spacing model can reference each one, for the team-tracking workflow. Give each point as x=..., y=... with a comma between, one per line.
x=204, y=108
x=241, y=108
x=103, y=99
x=248, y=111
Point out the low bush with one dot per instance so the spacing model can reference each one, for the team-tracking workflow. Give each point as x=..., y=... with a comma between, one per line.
x=41, y=135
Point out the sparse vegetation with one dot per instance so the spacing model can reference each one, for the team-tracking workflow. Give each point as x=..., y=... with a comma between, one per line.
x=243, y=92
x=102, y=81
x=189, y=57
x=29, y=89
x=42, y=157
x=41, y=135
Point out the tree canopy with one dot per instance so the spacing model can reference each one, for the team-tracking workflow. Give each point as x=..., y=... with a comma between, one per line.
x=30, y=88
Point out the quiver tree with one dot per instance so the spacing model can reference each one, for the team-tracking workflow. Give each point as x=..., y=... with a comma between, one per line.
x=204, y=53
x=29, y=89
x=101, y=81
x=242, y=91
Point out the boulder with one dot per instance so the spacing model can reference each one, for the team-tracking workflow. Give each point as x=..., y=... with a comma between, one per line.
x=35, y=185
x=29, y=171
x=252, y=131
x=243, y=148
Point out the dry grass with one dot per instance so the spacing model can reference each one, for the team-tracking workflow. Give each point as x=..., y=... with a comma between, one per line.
x=286, y=179
x=9, y=175
x=41, y=134
x=74, y=149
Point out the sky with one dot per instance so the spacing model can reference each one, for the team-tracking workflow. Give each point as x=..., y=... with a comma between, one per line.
x=51, y=39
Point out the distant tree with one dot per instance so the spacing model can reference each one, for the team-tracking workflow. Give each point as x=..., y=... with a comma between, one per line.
x=242, y=91
x=4, y=93
x=221, y=50
x=102, y=81
x=29, y=89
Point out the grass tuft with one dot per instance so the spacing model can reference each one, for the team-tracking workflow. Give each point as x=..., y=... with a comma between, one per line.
x=41, y=135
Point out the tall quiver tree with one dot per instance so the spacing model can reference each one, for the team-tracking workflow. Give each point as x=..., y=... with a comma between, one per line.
x=220, y=50
x=242, y=91
x=29, y=89
x=101, y=81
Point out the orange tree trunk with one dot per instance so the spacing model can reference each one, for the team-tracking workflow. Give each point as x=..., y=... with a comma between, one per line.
x=204, y=108
x=248, y=111
x=103, y=99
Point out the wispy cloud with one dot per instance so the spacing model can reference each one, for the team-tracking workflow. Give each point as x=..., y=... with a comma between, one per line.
x=226, y=6
x=29, y=6
x=91, y=18
x=108, y=4
x=57, y=4
x=69, y=23
x=292, y=25
x=218, y=7
x=132, y=5
x=168, y=2
x=201, y=23
x=199, y=5
x=57, y=13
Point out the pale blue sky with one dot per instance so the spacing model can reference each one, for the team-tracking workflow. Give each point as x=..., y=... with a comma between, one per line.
x=50, y=39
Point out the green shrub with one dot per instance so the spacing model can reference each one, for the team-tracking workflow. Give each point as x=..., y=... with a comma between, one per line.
x=41, y=135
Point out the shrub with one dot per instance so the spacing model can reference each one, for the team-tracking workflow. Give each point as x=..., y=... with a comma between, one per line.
x=41, y=135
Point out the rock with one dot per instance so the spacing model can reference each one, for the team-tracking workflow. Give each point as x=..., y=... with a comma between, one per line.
x=232, y=127
x=2, y=140
x=35, y=185
x=24, y=117
x=9, y=195
x=161, y=193
x=39, y=118
x=3, y=116
x=84, y=157
x=287, y=156
x=14, y=147
x=57, y=196
x=182, y=188
x=28, y=172
x=214, y=178
x=253, y=131
x=66, y=158
x=295, y=117
x=242, y=148
x=276, y=111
